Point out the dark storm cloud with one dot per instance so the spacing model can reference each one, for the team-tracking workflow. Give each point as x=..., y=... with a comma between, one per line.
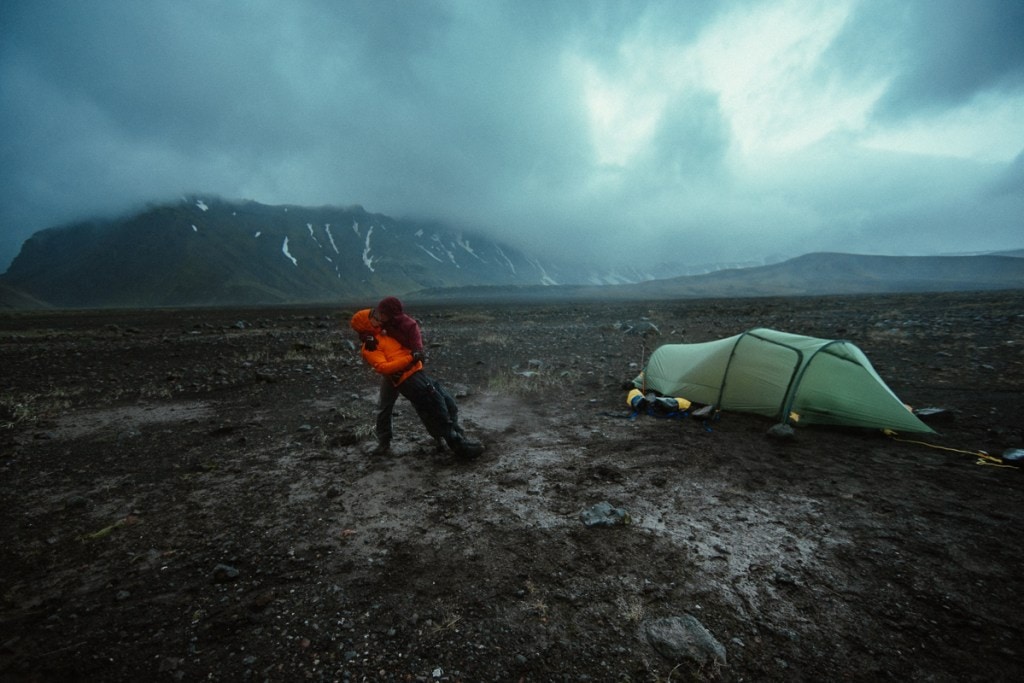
x=941, y=52
x=1010, y=183
x=693, y=138
x=595, y=129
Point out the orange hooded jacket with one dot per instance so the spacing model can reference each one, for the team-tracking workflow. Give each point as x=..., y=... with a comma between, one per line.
x=390, y=357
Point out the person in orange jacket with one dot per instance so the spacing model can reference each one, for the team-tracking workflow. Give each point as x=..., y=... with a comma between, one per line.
x=396, y=323
x=435, y=407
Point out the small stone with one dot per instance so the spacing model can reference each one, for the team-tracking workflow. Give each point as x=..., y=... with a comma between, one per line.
x=782, y=432
x=224, y=573
x=603, y=514
x=684, y=638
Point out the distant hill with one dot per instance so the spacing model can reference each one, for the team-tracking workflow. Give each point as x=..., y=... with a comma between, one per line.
x=212, y=252
x=831, y=273
x=811, y=274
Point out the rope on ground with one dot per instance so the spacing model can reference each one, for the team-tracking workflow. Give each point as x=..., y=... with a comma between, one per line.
x=983, y=457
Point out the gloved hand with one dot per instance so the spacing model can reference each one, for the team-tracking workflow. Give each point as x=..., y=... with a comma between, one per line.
x=418, y=356
x=369, y=342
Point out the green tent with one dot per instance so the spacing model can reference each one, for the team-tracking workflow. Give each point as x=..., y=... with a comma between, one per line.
x=781, y=375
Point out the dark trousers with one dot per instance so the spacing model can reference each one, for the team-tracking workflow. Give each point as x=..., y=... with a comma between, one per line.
x=434, y=405
x=385, y=410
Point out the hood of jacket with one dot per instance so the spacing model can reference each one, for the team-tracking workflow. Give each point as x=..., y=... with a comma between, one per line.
x=362, y=323
x=390, y=306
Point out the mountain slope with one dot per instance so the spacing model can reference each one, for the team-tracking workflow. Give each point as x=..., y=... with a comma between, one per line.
x=13, y=299
x=214, y=252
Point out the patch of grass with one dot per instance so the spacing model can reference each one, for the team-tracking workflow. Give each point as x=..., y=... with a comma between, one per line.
x=156, y=392
x=349, y=413
x=28, y=408
x=316, y=351
x=888, y=337
x=491, y=339
x=474, y=318
x=332, y=434
x=526, y=382
x=14, y=410
x=448, y=623
x=364, y=430
x=632, y=608
x=535, y=602
x=259, y=356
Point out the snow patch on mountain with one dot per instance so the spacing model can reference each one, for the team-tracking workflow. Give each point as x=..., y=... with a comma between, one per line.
x=367, y=259
x=465, y=245
x=284, y=250
x=508, y=261
x=327, y=229
x=313, y=235
x=446, y=250
x=430, y=253
x=545, y=279
x=202, y=206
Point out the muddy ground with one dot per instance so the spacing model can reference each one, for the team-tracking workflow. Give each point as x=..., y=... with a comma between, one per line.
x=188, y=495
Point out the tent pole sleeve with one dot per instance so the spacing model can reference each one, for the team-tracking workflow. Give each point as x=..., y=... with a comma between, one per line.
x=798, y=369
x=728, y=364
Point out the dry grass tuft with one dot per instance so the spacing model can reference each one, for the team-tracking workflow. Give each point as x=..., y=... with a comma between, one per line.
x=471, y=318
x=30, y=407
x=526, y=382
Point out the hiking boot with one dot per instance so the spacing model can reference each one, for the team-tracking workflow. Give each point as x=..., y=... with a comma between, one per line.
x=382, y=448
x=463, y=448
x=470, y=450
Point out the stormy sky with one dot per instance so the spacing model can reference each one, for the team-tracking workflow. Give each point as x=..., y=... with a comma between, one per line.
x=612, y=131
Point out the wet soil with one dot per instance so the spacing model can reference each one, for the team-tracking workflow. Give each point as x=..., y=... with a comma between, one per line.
x=190, y=495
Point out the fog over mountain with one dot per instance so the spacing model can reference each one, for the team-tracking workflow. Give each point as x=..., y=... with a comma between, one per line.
x=203, y=251
x=600, y=131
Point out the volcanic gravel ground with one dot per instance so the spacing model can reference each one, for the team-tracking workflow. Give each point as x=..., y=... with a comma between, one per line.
x=189, y=495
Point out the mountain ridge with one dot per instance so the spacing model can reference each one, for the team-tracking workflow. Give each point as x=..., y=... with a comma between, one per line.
x=814, y=274
x=205, y=251
x=210, y=251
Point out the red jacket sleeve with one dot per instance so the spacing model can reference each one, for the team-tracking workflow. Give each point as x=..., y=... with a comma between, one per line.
x=406, y=330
